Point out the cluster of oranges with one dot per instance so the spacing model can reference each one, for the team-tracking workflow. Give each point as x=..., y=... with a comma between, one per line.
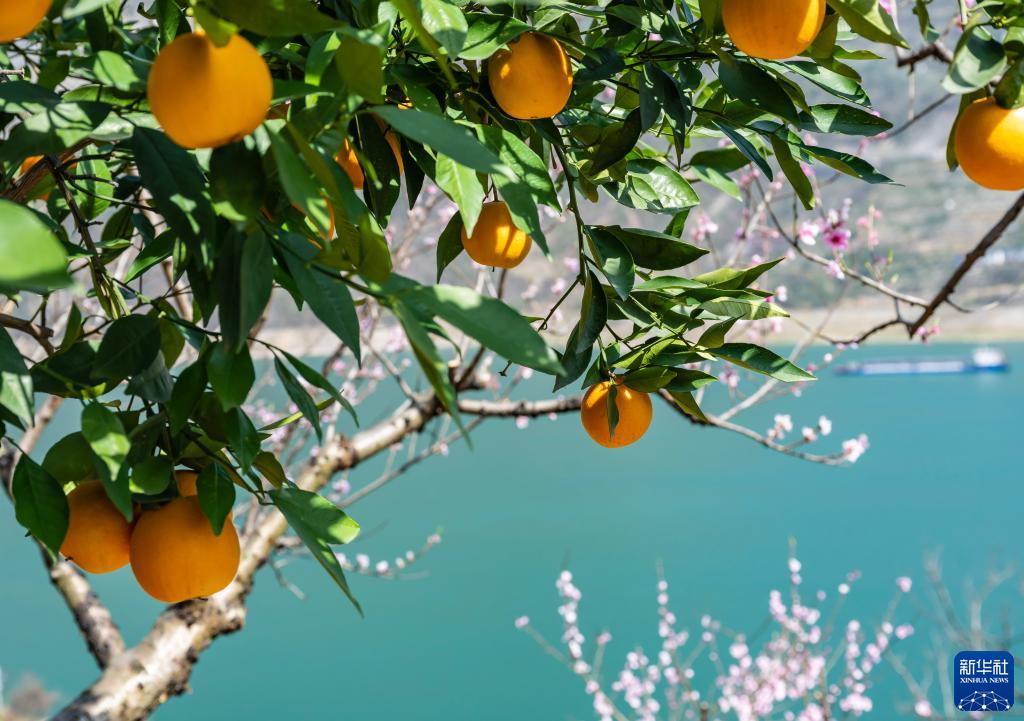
x=173, y=550
x=205, y=96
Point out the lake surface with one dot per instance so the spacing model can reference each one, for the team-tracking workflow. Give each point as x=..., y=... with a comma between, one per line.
x=942, y=474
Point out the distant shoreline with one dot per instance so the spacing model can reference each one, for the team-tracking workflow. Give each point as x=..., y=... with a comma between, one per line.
x=998, y=325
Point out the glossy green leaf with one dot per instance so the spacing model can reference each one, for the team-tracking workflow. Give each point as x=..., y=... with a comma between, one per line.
x=231, y=374
x=488, y=320
x=216, y=493
x=30, y=256
x=105, y=434
x=761, y=360
x=128, y=347
x=40, y=505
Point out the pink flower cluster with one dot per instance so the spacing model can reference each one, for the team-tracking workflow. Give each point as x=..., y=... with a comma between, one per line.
x=787, y=678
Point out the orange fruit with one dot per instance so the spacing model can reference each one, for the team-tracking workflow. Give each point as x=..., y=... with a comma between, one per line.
x=990, y=145
x=348, y=161
x=28, y=162
x=98, y=534
x=634, y=410
x=186, y=481
x=205, y=96
x=496, y=241
x=176, y=557
x=773, y=29
x=20, y=17
x=532, y=79
x=396, y=148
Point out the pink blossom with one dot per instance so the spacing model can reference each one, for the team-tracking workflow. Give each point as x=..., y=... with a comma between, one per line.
x=904, y=583
x=522, y=622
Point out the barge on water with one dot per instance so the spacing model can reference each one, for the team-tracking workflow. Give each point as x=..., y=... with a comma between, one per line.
x=982, y=360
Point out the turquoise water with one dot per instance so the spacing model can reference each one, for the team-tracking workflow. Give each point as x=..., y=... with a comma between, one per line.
x=942, y=474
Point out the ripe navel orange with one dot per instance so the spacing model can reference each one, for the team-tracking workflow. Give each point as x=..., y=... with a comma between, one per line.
x=20, y=17
x=532, y=79
x=634, y=410
x=990, y=145
x=98, y=534
x=176, y=557
x=773, y=29
x=205, y=96
x=348, y=161
x=496, y=241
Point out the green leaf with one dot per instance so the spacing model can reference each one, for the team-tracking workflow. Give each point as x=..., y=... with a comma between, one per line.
x=31, y=258
x=793, y=172
x=319, y=524
x=715, y=335
x=488, y=320
x=112, y=69
x=360, y=60
x=1010, y=91
x=686, y=380
x=446, y=23
x=246, y=280
x=302, y=400
x=528, y=167
x=654, y=250
x=847, y=163
x=761, y=360
x=154, y=251
x=314, y=378
x=152, y=475
x=654, y=186
x=743, y=308
x=580, y=346
x=270, y=468
x=488, y=32
x=845, y=119
x=736, y=278
x=216, y=493
x=979, y=59
x=330, y=300
x=433, y=366
x=869, y=20
x=613, y=259
x=330, y=523
x=688, y=404
x=237, y=181
x=242, y=437
x=40, y=504
x=299, y=182
x=128, y=347
x=745, y=146
x=54, y=129
x=444, y=136
x=750, y=84
x=186, y=394
x=231, y=374
x=649, y=379
x=70, y=460
x=173, y=177
x=462, y=186
x=449, y=245
x=275, y=18
x=15, y=381
x=616, y=143
x=527, y=185
x=104, y=433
